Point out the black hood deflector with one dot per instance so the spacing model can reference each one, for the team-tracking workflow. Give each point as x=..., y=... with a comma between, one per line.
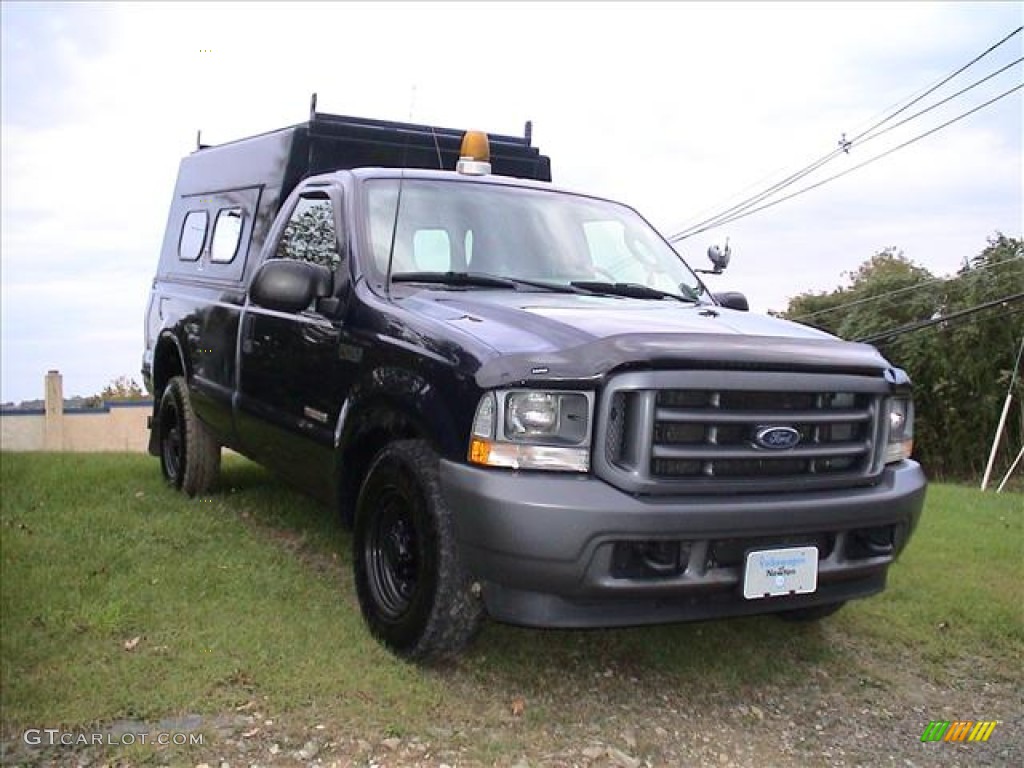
x=659, y=350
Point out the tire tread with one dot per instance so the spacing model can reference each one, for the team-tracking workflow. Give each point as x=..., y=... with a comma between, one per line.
x=202, y=451
x=456, y=614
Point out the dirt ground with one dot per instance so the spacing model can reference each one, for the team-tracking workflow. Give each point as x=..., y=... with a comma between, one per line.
x=622, y=720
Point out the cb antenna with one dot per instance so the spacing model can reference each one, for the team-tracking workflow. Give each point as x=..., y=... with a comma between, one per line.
x=398, y=201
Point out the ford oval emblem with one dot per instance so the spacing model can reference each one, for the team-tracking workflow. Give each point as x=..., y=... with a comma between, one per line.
x=777, y=438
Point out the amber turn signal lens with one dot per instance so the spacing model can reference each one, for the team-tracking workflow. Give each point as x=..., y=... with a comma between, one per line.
x=479, y=451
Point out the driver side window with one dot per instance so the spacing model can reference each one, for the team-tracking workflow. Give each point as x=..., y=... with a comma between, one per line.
x=310, y=234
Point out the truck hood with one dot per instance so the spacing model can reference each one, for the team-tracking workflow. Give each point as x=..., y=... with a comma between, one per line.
x=567, y=336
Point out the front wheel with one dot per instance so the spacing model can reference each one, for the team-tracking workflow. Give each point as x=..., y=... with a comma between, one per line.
x=413, y=590
x=189, y=454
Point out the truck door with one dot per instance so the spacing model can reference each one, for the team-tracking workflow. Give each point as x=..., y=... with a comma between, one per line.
x=292, y=379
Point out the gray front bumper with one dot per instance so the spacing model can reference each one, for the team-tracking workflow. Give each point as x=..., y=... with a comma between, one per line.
x=541, y=544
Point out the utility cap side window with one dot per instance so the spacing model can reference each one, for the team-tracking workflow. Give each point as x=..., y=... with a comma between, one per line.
x=227, y=233
x=193, y=236
x=310, y=234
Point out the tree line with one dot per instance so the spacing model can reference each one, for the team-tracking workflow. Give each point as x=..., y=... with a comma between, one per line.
x=957, y=337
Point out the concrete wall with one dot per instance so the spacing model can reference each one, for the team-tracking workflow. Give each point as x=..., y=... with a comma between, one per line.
x=117, y=426
x=22, y=431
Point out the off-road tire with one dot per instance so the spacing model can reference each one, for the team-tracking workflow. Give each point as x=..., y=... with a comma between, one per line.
x=189, y=454
x=413, y=589
x=812, y=613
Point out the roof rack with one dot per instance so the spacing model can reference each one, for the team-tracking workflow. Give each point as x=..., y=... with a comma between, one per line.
x=341, y=141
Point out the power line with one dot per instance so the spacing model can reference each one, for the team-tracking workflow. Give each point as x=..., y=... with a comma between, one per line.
x=942, y=82
x=989, y=317
x=751, y=212
x=843, y=148
x=937, y=104
x=713, y=221
x=869, y=161
x=947, y=319
x=869, y=299
x=910, y=328
x=1002, y=317
x=941, y=326
x=906, y=289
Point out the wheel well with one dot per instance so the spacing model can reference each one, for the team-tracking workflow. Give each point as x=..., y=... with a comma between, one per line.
x=166, y=365
x=377, y=428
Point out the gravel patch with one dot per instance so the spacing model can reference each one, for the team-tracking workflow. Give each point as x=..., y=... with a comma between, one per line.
x=819, y=721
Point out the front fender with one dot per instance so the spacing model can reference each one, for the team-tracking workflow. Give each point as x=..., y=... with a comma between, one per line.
x=395, y=394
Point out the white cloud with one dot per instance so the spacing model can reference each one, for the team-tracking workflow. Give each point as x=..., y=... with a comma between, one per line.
x=670, y=107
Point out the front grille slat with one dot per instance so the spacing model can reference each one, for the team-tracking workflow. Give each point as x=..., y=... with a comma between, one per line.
x=716, y=453
x=742, y=417
x=695, y=432
x=834, y=428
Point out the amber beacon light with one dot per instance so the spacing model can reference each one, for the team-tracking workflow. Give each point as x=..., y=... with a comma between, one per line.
x=475, y=154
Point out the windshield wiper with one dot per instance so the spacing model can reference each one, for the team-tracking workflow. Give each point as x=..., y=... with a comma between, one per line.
x=480, y=280
x=634, y=291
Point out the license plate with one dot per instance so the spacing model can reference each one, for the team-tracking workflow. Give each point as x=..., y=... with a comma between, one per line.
x=775, y=572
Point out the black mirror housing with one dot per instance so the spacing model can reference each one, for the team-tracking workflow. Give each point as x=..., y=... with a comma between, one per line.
x=733, y=300
x=287, y=285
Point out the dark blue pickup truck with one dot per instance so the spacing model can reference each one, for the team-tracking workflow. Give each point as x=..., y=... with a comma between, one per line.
x=522, y=399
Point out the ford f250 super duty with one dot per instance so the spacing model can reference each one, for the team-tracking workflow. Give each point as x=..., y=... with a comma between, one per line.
x=521, y=398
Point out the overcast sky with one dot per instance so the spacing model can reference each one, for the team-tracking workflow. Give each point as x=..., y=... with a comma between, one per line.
x=672, y=108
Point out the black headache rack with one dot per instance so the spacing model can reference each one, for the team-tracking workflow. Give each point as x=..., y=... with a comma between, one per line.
x=338, y=142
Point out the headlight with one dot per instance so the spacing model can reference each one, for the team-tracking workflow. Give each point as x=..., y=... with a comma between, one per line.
x=900, y=441
x=531, y=414
x=533, y=429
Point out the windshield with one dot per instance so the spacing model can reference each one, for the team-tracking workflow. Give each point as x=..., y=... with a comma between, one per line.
x=519, y=233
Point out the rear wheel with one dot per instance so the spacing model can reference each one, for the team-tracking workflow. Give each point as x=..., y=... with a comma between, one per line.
x=189, y=455
x=413, y=589
x=812, y=613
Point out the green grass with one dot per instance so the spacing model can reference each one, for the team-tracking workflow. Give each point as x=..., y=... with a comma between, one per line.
x=97, y=552
x=246, y=596
x=959, y=592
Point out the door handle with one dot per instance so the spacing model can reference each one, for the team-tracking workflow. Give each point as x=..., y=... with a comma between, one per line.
x=247, y=344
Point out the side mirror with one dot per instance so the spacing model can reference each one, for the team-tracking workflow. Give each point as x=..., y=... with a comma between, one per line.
x=287, y=285
x=733, y=300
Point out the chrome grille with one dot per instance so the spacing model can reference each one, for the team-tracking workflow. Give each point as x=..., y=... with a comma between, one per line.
x=698, y=430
